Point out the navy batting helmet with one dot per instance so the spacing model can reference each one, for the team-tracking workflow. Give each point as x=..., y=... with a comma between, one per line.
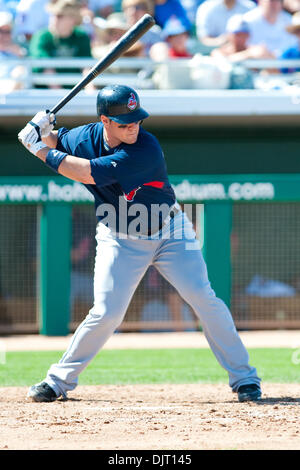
x=121, y=104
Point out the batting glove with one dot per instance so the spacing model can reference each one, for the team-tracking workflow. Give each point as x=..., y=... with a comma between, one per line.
x=46, y=122
x=25, y=138
x=40, y=126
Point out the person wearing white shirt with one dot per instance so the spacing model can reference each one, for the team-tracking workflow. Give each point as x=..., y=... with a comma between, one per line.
x=31, y=15
x=267, y=24
x=212, y=17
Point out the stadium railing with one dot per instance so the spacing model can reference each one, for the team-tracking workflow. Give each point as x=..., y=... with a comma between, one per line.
x=137, y=72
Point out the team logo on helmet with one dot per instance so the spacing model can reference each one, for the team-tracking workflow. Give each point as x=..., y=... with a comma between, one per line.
x=132, y=103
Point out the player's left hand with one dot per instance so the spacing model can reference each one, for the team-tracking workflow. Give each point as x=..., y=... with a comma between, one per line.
x=45, y=121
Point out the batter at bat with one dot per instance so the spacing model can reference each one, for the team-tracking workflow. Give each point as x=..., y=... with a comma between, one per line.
x=122, y=164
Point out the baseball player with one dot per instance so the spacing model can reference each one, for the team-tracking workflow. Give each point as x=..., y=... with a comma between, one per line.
x=124, y=168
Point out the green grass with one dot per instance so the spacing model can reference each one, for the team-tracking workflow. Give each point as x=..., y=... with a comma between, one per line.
x=149, y=367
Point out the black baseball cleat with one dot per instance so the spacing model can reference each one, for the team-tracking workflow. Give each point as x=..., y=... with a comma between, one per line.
x=42, y=392
x=249, y=392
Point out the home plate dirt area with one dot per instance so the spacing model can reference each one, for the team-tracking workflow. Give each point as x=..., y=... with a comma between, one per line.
x=197, y=416
x=149, y=417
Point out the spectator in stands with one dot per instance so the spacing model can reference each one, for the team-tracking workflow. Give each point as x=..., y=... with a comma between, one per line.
x=236, y=47
x=109, y=32
x=291, y=6
x=164, y=9
x=95, y=9
x=267, y=25
x=8, y=47
x=31, y=16
x=175, y=45
x=102, y=8
x=212, y=17
x=63, y=37
x=11, y=74
x=133, y=11
x=294, y=51
x=191, y=7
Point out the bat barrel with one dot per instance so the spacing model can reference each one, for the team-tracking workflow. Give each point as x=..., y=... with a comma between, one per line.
x=124, y=43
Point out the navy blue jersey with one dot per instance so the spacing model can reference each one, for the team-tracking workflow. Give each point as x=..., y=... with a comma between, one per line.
x=124, y=175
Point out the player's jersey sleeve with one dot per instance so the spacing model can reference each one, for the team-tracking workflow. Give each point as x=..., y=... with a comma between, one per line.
x=68, y=140
x=131, y=166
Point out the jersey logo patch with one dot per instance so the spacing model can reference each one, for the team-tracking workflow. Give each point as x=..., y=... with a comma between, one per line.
x=130, y=196
x=132, y=103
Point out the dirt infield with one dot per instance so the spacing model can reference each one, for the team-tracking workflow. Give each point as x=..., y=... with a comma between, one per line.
x=184, y=417
x=152, y=417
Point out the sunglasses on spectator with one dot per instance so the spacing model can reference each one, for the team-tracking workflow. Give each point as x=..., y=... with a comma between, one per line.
x=5, y=31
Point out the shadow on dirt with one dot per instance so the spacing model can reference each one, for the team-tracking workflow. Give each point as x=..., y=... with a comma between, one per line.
x=279, y=400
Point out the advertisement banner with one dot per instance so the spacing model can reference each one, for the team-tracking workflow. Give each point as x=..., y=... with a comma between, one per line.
x=188, y=188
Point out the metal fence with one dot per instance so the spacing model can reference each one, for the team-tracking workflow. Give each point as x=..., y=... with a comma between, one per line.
x=265, y=254
x=155, y=305
x=19, y=254
x=49, y=285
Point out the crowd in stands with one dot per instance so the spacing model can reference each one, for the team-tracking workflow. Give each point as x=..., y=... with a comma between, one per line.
x=230, y=29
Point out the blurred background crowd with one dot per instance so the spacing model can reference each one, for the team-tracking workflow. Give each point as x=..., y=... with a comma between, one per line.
x=234, y=30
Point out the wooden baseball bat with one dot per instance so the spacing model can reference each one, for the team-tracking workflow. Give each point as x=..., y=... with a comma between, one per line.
x=124, y=43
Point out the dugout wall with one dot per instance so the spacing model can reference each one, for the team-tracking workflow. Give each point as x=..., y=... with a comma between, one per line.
x=249, y=226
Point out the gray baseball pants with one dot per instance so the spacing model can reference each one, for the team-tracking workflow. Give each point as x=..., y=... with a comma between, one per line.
x=120, y=265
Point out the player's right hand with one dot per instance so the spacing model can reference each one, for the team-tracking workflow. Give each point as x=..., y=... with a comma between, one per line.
x=30, y=135
x=28, y=139
x=40, y=126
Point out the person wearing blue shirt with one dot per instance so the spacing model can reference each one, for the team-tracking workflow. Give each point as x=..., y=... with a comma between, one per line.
x=140, y=224
x=165, y=9
x=294, y=51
